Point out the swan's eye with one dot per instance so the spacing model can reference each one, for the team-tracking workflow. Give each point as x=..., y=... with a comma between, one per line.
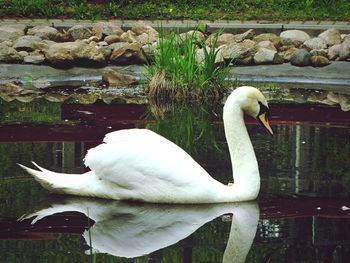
x=263, y=109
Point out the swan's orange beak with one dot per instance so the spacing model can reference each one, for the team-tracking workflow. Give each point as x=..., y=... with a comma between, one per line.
x=265, y=122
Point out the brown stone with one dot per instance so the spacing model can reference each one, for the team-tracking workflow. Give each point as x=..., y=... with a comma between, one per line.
x=319, y=61
x=128, y=54
x=115, y=78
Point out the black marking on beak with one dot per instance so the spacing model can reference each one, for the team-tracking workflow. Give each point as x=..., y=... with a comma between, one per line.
x=263, y=117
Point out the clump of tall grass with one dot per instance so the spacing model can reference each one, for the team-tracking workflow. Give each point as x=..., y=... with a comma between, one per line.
x=177, y=72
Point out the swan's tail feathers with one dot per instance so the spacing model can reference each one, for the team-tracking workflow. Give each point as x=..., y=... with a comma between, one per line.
x=43, y=176
x=61, y=183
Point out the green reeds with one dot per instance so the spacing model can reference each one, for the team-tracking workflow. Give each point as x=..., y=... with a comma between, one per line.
x=179, y=72
x=189, y=126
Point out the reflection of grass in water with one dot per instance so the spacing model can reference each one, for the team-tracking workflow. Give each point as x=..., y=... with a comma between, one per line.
x=38, y=111
x=190, y=127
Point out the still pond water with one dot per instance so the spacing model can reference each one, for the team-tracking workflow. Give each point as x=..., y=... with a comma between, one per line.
x=302, y=214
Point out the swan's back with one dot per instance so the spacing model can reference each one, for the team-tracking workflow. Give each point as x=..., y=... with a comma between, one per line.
x=142, y=165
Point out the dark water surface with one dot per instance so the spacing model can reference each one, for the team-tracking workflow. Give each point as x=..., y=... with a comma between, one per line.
x=302, y=214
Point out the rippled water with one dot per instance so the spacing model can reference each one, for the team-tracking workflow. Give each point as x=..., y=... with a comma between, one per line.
x=302, y=214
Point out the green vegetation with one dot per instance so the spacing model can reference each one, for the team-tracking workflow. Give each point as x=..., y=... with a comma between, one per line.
x=191, y=127
x=200, y=9
x=178, y=72
x=37, y=111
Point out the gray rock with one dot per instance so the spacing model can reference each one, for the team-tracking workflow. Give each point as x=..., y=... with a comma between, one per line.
x=196, y=35
x=267, y=44
x=340, y=99
x=80, y=32
x=333, y=51
x=30, y=43
x=11, y=32
x=107, y=50
x=128, y=36
x=249, y=34
x=287, y=54
x=319, y=52
x=102, y=44
x=145, y=38
x=267, y=56
x=23, y=53
x=128, y=54
x=44, y=32
x=82, y=98
x=238, y=52
x=246, y=61
x=276, y=40
x=7, y=43
x=148, y=51
x=41, y=83
x=331, y=36
x=319, y=61
x=200, y=55
x=344, y=51
x=103, y=29
x=93, y=39
x=65, y=54
x=115, y=78
x=223, y=39
x=112, y=39
x=10, y=88
x=9, y=54
x=141, y=27
x=34, y=59
x=49, y=42
x=314, y=43
x=301, y=57
x=294, y=37
x=88, y=53
x=60, y=54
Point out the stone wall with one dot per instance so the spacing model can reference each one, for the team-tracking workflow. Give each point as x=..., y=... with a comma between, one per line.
x=107, y=43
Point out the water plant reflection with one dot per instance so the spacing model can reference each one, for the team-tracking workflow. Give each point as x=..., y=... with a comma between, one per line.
x=133, y=230
x=189, y=126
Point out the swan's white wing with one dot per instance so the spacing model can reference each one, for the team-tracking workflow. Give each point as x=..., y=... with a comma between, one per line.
x=143, y=165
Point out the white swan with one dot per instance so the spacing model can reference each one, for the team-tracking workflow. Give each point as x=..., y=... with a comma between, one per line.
x=138, y=164
x=131, y=231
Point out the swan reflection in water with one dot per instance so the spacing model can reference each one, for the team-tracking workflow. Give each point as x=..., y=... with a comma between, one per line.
x=132, y=230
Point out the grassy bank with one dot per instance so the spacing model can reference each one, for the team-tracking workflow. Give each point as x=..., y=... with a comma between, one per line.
x=168, y=9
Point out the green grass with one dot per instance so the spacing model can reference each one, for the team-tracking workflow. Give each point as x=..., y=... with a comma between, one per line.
x=199, y=9
x=175, y=72
x=38, y=111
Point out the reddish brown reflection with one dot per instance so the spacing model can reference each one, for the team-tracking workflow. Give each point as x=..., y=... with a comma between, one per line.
x=89, y=123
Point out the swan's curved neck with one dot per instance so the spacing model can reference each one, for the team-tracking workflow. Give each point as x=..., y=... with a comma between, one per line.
x=244, y=164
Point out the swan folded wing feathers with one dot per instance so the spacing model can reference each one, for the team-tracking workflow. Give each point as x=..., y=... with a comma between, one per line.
x=148, y=167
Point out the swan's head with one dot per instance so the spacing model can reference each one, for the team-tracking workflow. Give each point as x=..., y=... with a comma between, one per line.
x=253, y=103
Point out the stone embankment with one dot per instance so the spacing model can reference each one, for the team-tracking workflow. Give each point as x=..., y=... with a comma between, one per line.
x=107, y=43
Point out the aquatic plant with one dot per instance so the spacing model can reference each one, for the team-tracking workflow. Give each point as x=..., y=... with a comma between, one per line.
x=189, y=126
x=178, y=72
